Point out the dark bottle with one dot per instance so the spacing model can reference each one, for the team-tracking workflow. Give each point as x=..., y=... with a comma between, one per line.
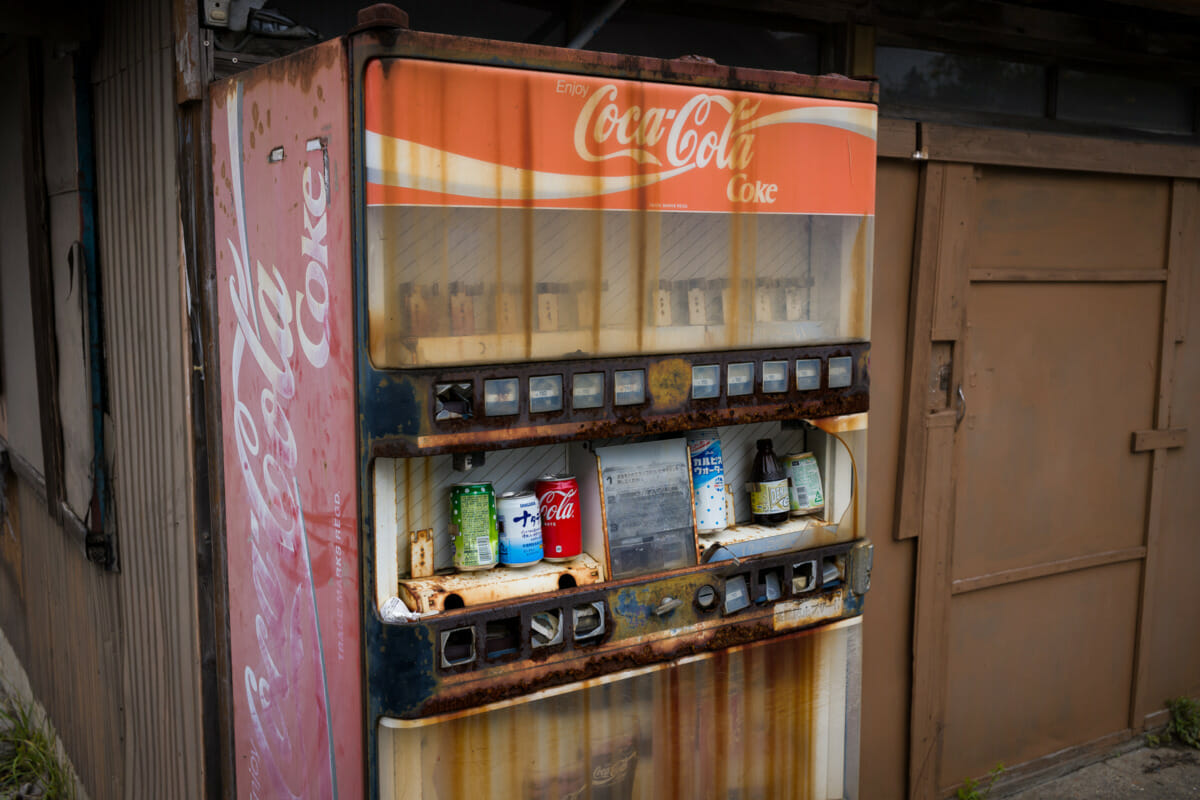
x=768, y=487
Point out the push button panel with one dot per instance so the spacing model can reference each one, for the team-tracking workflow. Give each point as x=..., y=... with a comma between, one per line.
x=800, y=588
x=533, y=403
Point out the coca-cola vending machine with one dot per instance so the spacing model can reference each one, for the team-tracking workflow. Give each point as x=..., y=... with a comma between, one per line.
x=544, y=379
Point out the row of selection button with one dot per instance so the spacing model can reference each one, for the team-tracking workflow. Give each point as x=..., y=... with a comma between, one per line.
x=740, y=379
x=501, y=396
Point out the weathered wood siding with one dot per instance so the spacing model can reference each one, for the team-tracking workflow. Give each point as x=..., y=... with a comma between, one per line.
x=150, y=442
x=62, y=616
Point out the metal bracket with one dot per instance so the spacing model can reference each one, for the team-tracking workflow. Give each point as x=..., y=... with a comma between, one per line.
x=859, y=561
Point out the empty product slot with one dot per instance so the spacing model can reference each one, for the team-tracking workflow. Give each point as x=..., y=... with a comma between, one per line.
x=804, y=577
x=502, y=637
x=458, y=646
x=737, y=593
x=588, y=620
x=831, y=570
x=770, y=585
x=546, y=628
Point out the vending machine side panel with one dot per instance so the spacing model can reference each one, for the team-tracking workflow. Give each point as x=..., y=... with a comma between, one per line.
x=281, y=172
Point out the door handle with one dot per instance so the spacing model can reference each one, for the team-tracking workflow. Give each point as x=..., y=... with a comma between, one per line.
x=960, y=406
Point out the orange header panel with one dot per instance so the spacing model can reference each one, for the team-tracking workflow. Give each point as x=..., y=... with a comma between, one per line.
x=461, y=134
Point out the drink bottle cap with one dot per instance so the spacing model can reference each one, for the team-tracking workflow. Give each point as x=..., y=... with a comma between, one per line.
x=764, y=444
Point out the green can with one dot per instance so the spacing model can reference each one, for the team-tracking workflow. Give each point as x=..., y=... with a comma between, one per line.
x=473, y=525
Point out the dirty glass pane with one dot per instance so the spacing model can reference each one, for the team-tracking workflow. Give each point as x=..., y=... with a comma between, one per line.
x=1126, y=102
x=926, y=78
x=473, y=285
x=775, y=719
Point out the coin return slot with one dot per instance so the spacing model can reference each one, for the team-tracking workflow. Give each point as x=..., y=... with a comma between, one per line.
x=458, y=647
x=588, y=620
x=737, y=593
x=567, y=581
x=770, y=585
x=546, y=628
x=831, y=570
x=706, y=598
x=452, y=602
x=502, y=637
x=804, y=577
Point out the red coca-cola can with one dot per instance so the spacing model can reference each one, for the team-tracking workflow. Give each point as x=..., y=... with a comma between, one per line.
x=558, y=501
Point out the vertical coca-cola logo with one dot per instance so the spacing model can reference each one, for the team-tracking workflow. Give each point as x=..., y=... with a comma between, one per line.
x=286, y=695
x=558, y=504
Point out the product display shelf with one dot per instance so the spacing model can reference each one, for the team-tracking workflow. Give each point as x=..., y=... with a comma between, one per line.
x=479, y=587
x=748, y=540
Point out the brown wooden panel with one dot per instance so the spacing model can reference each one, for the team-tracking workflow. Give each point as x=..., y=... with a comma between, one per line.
x=887, y=628
x=1050, y=220
x=932, y=611
x=1167, y=439
x=1046, y=569
x=980, y=145
x=936, y=310
x=1038, y=667
x=897, y=138
x=1057, y=377
x=1172, y=643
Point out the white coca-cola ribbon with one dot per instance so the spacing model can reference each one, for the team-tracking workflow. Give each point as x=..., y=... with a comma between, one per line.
x=409, y=165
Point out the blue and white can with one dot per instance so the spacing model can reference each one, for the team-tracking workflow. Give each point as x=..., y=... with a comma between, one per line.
x=708, y=480
x=519, y=521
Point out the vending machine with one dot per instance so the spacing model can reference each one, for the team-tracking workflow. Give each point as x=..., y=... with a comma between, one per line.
x=545, y=380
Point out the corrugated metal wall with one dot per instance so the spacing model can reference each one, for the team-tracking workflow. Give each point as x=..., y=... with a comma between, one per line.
x=143, y=298
x=67, y=632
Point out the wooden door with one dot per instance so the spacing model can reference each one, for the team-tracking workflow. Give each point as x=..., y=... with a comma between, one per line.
x=1040, y=354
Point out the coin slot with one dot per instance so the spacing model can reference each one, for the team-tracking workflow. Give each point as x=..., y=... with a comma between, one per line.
x=706, y=598
x=546, y=628
x=502, y=637
x=804, y=577
x=588, y=620
x=458, y=647
x=567, y=581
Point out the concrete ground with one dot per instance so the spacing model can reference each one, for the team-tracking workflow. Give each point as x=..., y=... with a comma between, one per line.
x=1152, y=773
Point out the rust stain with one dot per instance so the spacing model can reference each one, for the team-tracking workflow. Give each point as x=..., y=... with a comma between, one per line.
x=858, y=278
x=670, y=383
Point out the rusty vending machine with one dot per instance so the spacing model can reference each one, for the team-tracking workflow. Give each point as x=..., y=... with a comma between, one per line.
x=544, y=383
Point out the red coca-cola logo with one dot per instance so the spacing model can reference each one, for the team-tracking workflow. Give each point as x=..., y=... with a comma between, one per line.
x=558, y=504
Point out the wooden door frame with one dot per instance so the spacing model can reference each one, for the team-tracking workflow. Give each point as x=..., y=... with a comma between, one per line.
x=927, y=494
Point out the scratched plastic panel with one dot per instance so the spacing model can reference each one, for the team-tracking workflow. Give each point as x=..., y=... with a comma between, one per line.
x=770, y=720
x=478, y=285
